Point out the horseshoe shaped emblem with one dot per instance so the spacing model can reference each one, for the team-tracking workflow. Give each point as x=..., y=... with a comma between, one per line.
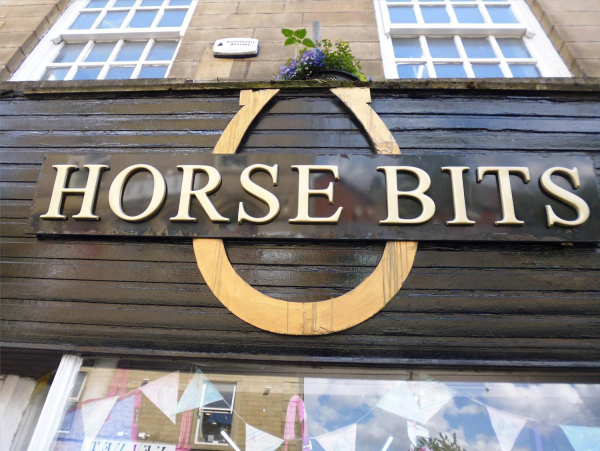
x=310, y=318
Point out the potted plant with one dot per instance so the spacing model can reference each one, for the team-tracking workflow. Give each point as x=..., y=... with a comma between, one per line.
x=325, y=60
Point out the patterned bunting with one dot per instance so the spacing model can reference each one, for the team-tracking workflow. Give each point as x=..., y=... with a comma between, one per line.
x=93, y=416
x=415, y=431
x=192, y=396
x=163, y=394
x=507, y=427
x=433, y=396
x=400, y=401
x=257, y=440
x=343, y=439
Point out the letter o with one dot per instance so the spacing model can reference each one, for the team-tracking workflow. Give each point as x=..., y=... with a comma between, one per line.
x=115, y=194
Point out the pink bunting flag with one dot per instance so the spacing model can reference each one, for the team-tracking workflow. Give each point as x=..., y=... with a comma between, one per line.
x=507, y=427
x=163, y=394
x=343, y=439
x=93, y=415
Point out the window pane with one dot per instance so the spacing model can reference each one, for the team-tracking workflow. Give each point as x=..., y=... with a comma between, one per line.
x=487, y=71
x=513, y=48
x=96, y=4
x=442, y=48
x=407, y=48
x=180, y=2
x=211, y=425
x=131, y=50
x=162, y=51
x=56, y=74
x=412, y=71
x=450, y=71
x=402, y=15
x=123, y=3
x=152, y=2
x=68, y=53
x=113, y=19
x=119, y=73
x=87, y=73
x=142, y=19
x=153, y=72
x=172, y=18
x=524, y=70
x=84, y=21
x=468, y=14
x=435, y=14
x=502, y=14
x=100, y=52
x=478, y=48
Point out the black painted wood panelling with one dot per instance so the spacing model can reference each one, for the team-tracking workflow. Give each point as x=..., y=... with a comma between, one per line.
x=482, y=303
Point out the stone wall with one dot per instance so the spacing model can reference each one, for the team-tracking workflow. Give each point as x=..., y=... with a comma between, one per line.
x=574, y=28
x=352, y=20
x=22, y=24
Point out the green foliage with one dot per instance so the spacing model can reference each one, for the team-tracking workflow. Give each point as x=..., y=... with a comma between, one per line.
x=444, y=443
x=339, y=56
x=297, y=37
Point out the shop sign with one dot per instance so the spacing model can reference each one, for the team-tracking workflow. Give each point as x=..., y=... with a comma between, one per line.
x=401, y=199
x=287, y=196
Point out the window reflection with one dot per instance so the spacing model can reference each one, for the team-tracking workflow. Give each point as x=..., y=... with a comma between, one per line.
x=170, y=406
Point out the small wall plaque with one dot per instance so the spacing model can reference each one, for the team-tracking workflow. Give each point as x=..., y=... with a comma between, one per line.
x=235, y=47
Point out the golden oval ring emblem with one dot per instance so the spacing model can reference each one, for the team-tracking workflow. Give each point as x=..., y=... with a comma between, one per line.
x=308, y=318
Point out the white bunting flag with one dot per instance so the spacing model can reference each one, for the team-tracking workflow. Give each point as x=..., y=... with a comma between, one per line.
x=163, y=393
x=343, y=439
x=192, y=396
x=400, y=401
x=93, y=415
x=433, y=396
x=415, y=431
x=583, y=438
x=257, y=440
x=507, y=427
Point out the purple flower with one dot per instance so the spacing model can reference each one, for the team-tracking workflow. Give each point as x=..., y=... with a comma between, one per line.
x=305, y=65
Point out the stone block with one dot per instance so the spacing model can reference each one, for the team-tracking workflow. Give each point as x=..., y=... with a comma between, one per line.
x=308, y=6
x=184, y=69
x=212, y=34
x=570, y=5
x=215, y=8
x=579, y=34
x=590, y=67
x=341, y=18
x=572, y=18
x=247, y=21
x=261, y=7
x=584, y=50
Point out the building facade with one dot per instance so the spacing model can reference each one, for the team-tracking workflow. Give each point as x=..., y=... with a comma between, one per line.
x=147, y=334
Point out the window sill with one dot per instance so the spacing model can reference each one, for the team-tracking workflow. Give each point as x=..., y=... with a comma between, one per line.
x=456, y=29
x=111, y=35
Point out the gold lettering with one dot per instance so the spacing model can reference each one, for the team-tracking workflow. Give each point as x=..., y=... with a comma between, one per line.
x=304, y=193
x=115, y=194
x=89, y=192
x=506, y=199
x=260, y=193
x=391, y=176
x=458, y=195
x=580, y=206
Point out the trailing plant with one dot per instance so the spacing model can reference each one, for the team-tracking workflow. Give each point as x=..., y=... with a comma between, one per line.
x=314, y=58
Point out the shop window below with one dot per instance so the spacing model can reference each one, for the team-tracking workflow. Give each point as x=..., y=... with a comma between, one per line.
x=216, y=417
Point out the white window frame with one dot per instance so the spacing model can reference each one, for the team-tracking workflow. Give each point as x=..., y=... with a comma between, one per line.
x=544, y=56
x=34, y=66
x=201, y=410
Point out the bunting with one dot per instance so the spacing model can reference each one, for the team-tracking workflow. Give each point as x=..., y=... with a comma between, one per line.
x=93, y=415
x=507, y=427
x=257, y=440
x=583, y=438
x=415, y=431
x=400, y=401
x=192, y=396
x=163, y=394
x=343, y=439
x=433, y=396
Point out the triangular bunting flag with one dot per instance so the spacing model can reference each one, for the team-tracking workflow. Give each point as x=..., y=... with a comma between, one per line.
x=93, y=415
x=192, y=396
x=433, y=396
x=507, y=427
x=415, y=431
x=163, y=393
x=257, y=440
x=343, y=439
x=583, y=438
x=400, y=401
